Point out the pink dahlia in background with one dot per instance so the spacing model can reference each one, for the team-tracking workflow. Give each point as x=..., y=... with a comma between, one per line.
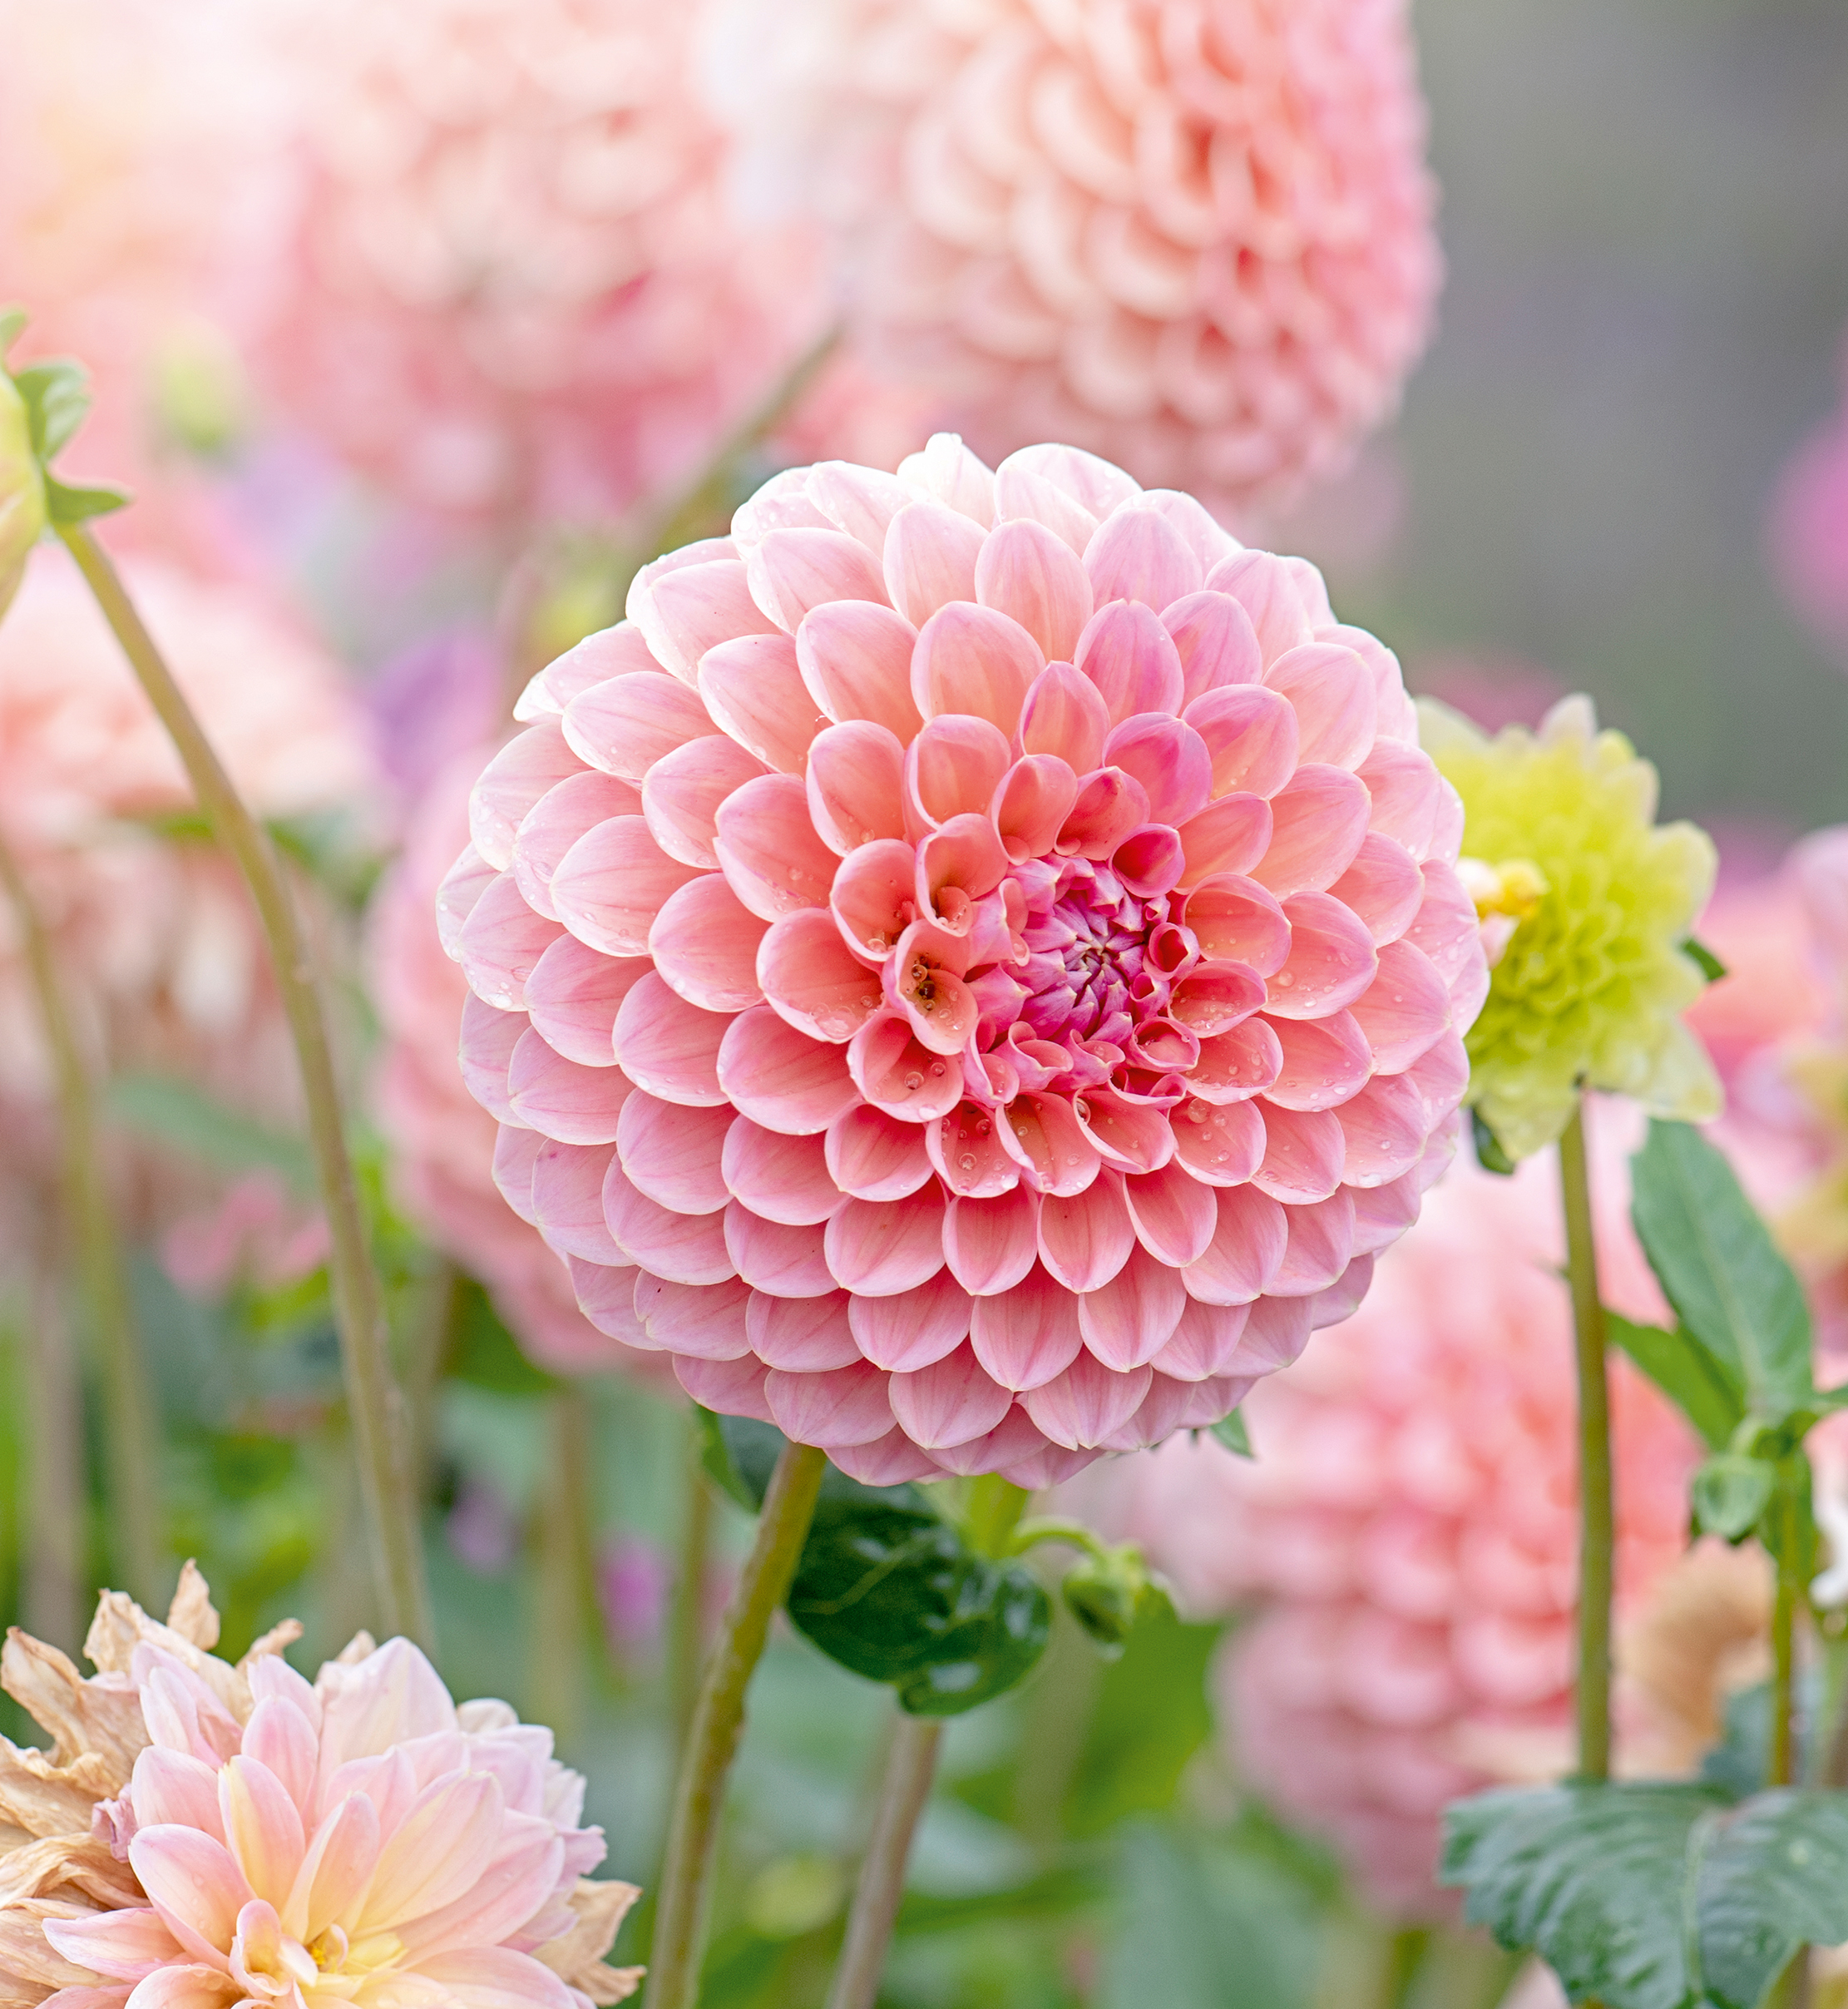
x=972, y=966
x=514, y=285
x=1808, y=527
x=1408, y=1532
x=442, y=1141
x=209, y=1835
x=1194, y=235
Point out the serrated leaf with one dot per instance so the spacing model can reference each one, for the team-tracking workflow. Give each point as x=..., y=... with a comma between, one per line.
x=1720, y=1270
x=56, y=391
x=1769, y=1877
x=65, y=504
x=1231, y=1432
x=1489, y=1154
x=1705, y=1391
x=1731, y=1491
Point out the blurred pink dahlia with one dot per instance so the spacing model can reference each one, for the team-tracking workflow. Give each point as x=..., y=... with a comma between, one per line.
x=1408, y=1529
x=209, y=1835
x=515, y=285
x=1195, y=235
x=442, y=1141
x=1808, y=527
x=972, y=966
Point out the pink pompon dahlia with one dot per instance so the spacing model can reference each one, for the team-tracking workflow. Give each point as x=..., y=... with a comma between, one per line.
x=1194, y=235
x=972, y=966
x=1408, y=1531
x=208, y=1835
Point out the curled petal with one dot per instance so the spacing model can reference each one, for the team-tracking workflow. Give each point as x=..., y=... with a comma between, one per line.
x=1319, y=1248
x=967, y=1150
x=558, y=1098
x=1213, y=996
x=567, y=1199
x=1110, y=804
x=1081, y=1407
x=1405, y=1010
x=895, y=1072
x=1035, y=798
x=878, y=1248
x=1317, y=822
x=1029, y=572
x=1324, y=1061
x=668, y=1046
x=611, y=883
x=801, y=1335
x=929, y=559
x=772, y=1257
x=1236, y=920
x=876, y=1156
x=1131, y=658
x=672, y=1154
x=856, y=785
x=793, y=571
x=684, y=1248
x=1149, y=861
x=1220, y=1144
x=755, y=694
x=706, y=1321
x=1228, y=836
x=855, y=659
x=682, y=791
x=990, y=1245
x=706, y=943
x=768, y=850
x=951, y=1402
x=1215, y=640
x=573, y=994
x=1043, y=1134
x=810, y=979
x=846, y=1406
x=1233, y=1067
x=1248, y=1245
x=1085, y=1238
x=957, y=866
x=1331, y=690
x=1064, y=715
x=912, y=1330
x=732, y=1387
x=1304, y=1152
x=781, y=1078
x=874, y=896
x=972, y=661
x=1132, y=1135
x=624, y=726
x=953, y=768
x=781, y=1177
x=530, y=765
x=1173, y=1213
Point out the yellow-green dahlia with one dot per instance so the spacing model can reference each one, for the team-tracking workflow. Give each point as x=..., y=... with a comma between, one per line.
x=1594, y=903
x=22, y=490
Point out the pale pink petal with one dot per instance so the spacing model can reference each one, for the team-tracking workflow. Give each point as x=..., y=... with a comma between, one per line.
x=768, y=846
x=1131, y=659
x=617, y=651
x=1445, y=928
x=781, y=1177
x=1215, y=640
x=912, y=1330
x=1440, y=1075
x=1324, y=1061
x=784, y=503
x=1099, y=485
x=950, y=1402
x=672, y=1154
x=811, y=978
x=1173, y=1213
x=510, y=1894
x=1247, y=1246
x=462, y=885
x=801, y=1335
x=1233, y=1067
x=1331, y=961
x=530, y=764
x=861, y=501
x=560, y=1099
x=188, y=1987
x=337, y=1867
x=896, y=1073
x=1204, y=1343
x=891, y=1459
x=556, y=821
x=990, y=1245
x=1081, y=1407
x=946, y=469
x=1384, y=1126
x=1251, y=734
x=878, y=1248
x=1407, y=793
x=1021, y=491
x=1110, y=804
x=1026, y=1336
x=1275, y=1335
x=1304, y=1152
x=1085, y=1238
x=970, y=1154
x=705, y=943
x=605, y=1294
x=573, y=994
x=567, y=1198
x=125, y=1944
x=1332, y=692
x=845, y=1406
x=1382, y=1214
x=706, y=1321
x=1383, y=886
x=1213, y=996
x=1170, y=759
x=1263, y=586
x=1137, y=554
x=1133, y=1136
x=856, y=780
x=1220, y=1144
x=1064, y=715
x=1019, y=1451
x=281, y=1735
x=1034, y=801
x=1128, y=1321
x=262, y=1825
x=1317, y=822
x=773, y=1257
x=732, y=1387
x=195, y=1885
x=794, y=571
x=1405, y=1009
x=624, y=726
x=500, y=943
x=929, y=559
x=1149, y=861
x=1320, y=1247
x=975, y=662
x=964, y=855
x=668, y=1046
x=953, y=768
x=611, y=883
x=876, y=1156
x=855, y=659
x=684, y=1248
x=1046, y=1137
x=1029, y=572
x=755, y=694
x=780, y=1077
x=494, y=1978
x=1342, y=1297
x=1236, y=920
x=873, y=895
x=682, y=791
x=515, y=1153
x=684, y=610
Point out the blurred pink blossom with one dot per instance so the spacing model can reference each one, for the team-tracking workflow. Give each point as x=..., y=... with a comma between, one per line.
x=1194, y=237
x=1408, y=1531
x=255, y=1234
x=1807, y=528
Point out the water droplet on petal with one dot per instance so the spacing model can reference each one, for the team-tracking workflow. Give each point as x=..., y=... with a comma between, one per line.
x=914, y=1082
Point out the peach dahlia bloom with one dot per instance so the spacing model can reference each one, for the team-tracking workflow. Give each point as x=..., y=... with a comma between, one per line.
x=202, y=1835
x=1194, y=235
x=1408, y=1532
x=972, y=966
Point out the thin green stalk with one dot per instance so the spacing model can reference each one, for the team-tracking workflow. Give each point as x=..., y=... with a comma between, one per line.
x=56, y=1544
x=1405, y=1948
x=718, y=1720
x=1783, y=1768
x=91, y=1239
x=686, y=1635
x=910, y=1764
x=563, y=1574
x=380, y=1426
x=1598, y=1529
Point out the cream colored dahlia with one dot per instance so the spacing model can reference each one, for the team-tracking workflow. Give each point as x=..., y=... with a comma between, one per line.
x=972, y=967
x=1193, y=235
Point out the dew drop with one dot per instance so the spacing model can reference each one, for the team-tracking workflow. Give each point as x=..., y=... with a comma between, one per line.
x=1284, y=980
x=937, y=1069
x=914, y=1082
x=967, y=1161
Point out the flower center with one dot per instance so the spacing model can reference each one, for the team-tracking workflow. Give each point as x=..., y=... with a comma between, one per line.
x=1089, y=974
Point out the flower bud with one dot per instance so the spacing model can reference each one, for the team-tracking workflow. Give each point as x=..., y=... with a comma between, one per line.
x=1106, y=1593
x=22, y=490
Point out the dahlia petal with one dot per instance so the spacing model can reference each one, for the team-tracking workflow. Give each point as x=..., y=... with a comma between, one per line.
x=1081, y=1407
x=859, y=501
x=1064, y=716
x=1052, y=1465
x=668, y=1046
x=801, y=1335
x=1022, y=493
x=1304, y=1152
x=1248, y=1245
x=1331, y=690
x=792, y=572
x=556, y=1097
x=969, y=1155
x=1405, y=1009
x=855, y=659
x=180, y=1988
x=1440, y=1075
x=494, y=1978
x=617, y=651
x=1098, y=485
x=682, y=791
x=1171, y=1404
x=897, y=1073
x=1406, y=792
x=262, y=1823
x=1035, y=798
x=515, y=1153
x=756, y=695
x=1342, y=1297
x=1445, y=928
x=683, y=611
x=1029, y=573
x=873, y=895
x=1331, y=961
x=1149, y=861
x=1136, y=554
x=1229, y=835
x=177, y=1787
x=953, y=768
x=624, y=726
x=991, y=1244
x=856, y=785
x=1382, y=1214
x=1263, y=587
x=1173, y=1215
x=567, y=1199
x=781, y=1177
x=1170, y=759
x=573, y=994
x=1237, y=920
x=1275, y=1335
x=195, y=1884
x=891, y=1459
x=810, y=979
x=946, y=469
x=929, y=559
x=731, y=1387
x=877, y=1249
x=1085, y=1238
x=1233, y=1067
x=612, y=883
x=672, y=1155
x=605, y=1294
x=971, y=661
x=1110, y=805
x=704, y=943
x=781, y=1078
x=1218, y=1143
x=908, y=1332
x=1326, y=1060
x=706, y=1321
x=1320, y=1247
x=124, y=1945
x=874, y=1156
x=784, y=503
x=1215, y=640
x=1317, y=821
x=1126, y=1321
x=775, y=1257
x=846, y=1406
x=1026, y=1336
x=524, y=770
x=1131, y=658
x=501, y=942
x=1046, y=1137
x=1133, y=1136
x=462, y=885
x=341, y=1854
x=1214, y=996
x=1203, y=1343
x=684, y=1248
x=1384, y=1126
x=556, y=821
x=951, y=1402
x=1383, y=886
x=772, y=858
x=1251, y=734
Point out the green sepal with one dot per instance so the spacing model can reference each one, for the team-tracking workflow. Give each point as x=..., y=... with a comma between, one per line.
x=1489, y=1154
x=65, y=504
x=1232, y=1431
x=56, y=394
x=1709, y=965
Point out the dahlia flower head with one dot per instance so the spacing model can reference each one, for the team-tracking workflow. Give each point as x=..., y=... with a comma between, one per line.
x=442, y=1141
x=1194, y=235
x=514, y=285
x=1591, y=980
x=972, y=967
x=1407, y=1533
x=215, y=1835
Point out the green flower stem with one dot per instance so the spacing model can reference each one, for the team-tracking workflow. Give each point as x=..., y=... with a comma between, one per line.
x=1782, y=1767
x=91, y=1239
x=718, y=1720
x=686, y=1637
x=1598, y=1528
x=50, y=1397
x=1030, y=1534
x=910, y=1764
x=380, y=1426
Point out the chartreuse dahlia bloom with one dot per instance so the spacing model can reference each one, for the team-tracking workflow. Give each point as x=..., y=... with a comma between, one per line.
x=22, y=490
x=1560, y=839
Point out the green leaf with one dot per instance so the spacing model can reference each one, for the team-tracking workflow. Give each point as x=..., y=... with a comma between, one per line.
x=1489, y=1154
x=1231, y=1432
x=1719, y=1267
x=1731, y=1491
x=1705, y=1392
x=1768, y=1877
x=12, y=323
x=1709, y=964
x=65, y=504
x=482, y=1352
x=56, y=394
x=174, y=1112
